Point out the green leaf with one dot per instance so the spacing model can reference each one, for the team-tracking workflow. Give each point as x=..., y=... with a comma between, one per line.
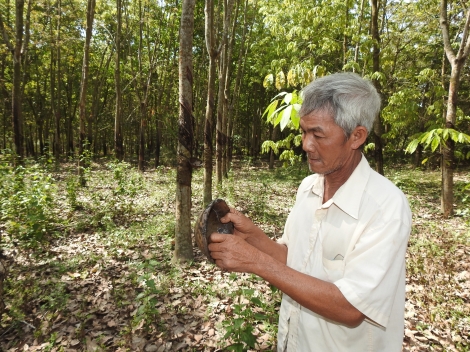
x=445, y=134
x=287, y=99
x=259, y=316
x=411, y=148
x=286, y=117
x=238, y=347
x=237, y=323
x=270, y=110
x=295, y=118
x=249, y=292
x=268, y=80
x=256, y=301
x=435, y=142
x=151, y=284
x=248, y=338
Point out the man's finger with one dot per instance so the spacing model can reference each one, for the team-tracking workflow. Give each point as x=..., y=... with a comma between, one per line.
x=218, y=237
x=230, y=216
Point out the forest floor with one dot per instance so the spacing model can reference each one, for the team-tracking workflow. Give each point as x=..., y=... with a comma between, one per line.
x=105, y=281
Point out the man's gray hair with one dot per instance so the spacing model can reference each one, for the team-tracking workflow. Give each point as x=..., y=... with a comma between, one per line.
x=352, y=100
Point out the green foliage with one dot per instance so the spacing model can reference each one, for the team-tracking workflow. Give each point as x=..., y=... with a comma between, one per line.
x=284, y=111
x=147, y=299
x=72, y=191
x=240, y=327
x=118, y=204
x=434, y=139
x=27, y=203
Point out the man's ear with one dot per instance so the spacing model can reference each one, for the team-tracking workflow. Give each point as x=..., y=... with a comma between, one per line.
x=358, y=137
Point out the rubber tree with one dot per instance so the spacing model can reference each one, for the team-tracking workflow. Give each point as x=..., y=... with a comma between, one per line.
x=18, y=51
x=378, y=125
x=213, y=53
x=457, y=62
x=183, y=242
x=118, y=139
x=84, y=143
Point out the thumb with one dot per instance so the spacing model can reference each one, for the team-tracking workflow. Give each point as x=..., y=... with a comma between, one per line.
x=232, y=216
x=217, y=237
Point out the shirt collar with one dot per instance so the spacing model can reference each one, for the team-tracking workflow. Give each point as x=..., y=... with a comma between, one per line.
x=348, y=197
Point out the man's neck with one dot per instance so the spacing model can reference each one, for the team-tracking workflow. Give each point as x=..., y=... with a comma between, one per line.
x=337, y=178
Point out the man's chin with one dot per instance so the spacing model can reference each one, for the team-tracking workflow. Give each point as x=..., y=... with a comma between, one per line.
x=321, y=172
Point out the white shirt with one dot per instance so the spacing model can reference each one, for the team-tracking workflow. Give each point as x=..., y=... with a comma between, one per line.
x=356, y=240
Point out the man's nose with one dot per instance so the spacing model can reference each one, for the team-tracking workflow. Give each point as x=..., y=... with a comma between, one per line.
x=307, y=143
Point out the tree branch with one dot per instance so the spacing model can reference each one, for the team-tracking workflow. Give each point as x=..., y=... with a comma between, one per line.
x=27, y=36
x=6, y=39
x=465, y=45
x=445, y=32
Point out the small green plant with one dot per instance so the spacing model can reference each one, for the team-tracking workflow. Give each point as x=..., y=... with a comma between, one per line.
x=84, y=164
x=71, y=189
x=26, y=204
x=240, y=328
x=147, y=299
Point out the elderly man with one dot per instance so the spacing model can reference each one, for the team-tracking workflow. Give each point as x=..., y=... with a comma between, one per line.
x=341, y=260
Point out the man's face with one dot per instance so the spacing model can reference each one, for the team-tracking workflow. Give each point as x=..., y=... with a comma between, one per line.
x=325, y=143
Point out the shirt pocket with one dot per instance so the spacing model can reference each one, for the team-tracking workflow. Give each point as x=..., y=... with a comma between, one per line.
x=333, y=268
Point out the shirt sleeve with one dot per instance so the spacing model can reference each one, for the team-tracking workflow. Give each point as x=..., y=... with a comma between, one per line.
x=374, y=269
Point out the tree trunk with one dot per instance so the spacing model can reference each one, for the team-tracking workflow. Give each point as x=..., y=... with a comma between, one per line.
x=356, y=49
x=378, y=125
x=243, y=53
x=4, y=94
x=57, y=143
x=183, y=242
x=84, y=143
x=448, y=148
x=228, y=97
x=118, y=140
x=17, y=118
x=219, y=138
x=457, y=62
x=158, y=142
x=143, y=123
x=273, y=138
x=224, y=62
x=345, y=35
x=208, y=122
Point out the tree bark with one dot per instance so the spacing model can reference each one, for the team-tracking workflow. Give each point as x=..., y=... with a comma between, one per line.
x=378, y=125
x=457, y=62
x=209, y=117
x=224, y=62
x=17, y=51
x=228, y=96
x=118, y=140
x=57, y=143
x=356, y=49
x=183, y=242
x=84, y=143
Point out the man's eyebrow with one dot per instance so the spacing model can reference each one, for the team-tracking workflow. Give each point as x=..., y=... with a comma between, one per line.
x=313, y=129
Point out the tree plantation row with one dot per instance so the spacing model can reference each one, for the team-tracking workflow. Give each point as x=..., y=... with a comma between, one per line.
x=81, y=78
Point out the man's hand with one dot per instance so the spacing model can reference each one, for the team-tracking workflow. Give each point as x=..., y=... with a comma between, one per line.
x=254, y=236
x=244, y=227
x=233, y=253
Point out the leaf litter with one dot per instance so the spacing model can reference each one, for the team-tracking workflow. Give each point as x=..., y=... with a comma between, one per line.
x=114, y=288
